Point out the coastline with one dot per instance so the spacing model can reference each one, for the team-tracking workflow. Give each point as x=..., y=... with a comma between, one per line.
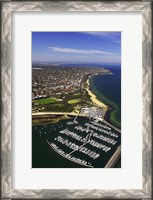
x=93, y=97
x=94, y=100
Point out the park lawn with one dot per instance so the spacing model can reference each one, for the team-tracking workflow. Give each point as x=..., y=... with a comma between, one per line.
x=73, y=101
x=46, y=101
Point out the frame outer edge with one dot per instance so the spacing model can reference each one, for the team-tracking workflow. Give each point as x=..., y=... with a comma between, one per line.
x=146, y=119
x=7, y=8
x=6, y=102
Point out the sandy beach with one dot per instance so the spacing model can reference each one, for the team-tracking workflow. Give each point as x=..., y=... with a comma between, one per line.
x=93, y=97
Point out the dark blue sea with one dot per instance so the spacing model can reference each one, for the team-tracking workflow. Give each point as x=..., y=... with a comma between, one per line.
x=108, y=89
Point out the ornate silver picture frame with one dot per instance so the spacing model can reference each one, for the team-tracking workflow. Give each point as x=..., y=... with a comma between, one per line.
x=7, y=9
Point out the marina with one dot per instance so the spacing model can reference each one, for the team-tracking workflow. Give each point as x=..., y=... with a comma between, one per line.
x=81, y=140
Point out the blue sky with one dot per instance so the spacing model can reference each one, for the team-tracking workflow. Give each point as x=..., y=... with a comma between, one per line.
x=76, y=47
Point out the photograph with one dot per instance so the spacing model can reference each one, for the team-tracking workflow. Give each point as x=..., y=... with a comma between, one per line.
x=76, y=99
x=76, y=120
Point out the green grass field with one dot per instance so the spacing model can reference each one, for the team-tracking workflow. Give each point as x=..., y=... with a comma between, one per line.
x=73, y=101
x=46, y=101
